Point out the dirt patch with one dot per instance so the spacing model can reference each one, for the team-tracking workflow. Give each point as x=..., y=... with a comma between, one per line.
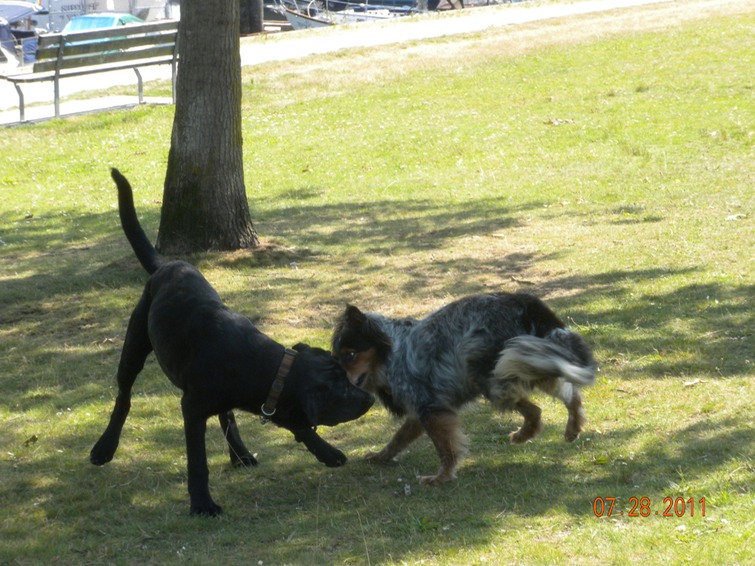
x=266, y=254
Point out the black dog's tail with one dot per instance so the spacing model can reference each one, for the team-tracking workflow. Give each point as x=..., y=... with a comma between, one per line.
x=143, y=248
x=562, y=353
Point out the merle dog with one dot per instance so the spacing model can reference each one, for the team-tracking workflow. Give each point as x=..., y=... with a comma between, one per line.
x=499, y=346
x=221, y=362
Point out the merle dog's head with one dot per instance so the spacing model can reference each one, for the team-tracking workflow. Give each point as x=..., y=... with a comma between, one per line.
x=326, y=396
x=361, y=346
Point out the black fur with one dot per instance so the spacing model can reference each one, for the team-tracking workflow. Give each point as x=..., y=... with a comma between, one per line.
x=498, y=346
x=221, y=362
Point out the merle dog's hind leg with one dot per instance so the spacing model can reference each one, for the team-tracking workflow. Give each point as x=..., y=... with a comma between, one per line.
x=510, y=394
x=532, y=424
x=240, y=456
x=136, y=348
x=571, y=397
x=576, y=418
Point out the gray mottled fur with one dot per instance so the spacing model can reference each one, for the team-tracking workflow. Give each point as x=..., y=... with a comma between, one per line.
x=480, y=345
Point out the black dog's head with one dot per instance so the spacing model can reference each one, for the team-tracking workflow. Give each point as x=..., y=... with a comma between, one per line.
x=327, y=397
x=360, y=346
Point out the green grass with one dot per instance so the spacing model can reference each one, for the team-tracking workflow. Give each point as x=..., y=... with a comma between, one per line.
x=607, y=167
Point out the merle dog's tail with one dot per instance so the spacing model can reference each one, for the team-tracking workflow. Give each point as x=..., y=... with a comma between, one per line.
x=561, y=353
x=143, y=248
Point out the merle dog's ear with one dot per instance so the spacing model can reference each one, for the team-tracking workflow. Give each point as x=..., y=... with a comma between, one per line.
x=353, y=315
x=300, y=347
x=380, y=339
x=350, y=321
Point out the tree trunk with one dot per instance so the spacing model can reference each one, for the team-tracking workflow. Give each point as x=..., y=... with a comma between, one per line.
x=204, y=198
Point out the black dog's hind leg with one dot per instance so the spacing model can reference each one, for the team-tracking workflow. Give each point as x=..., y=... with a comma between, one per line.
x=324, y=452
x=195, y=427
x=240, y=456
x=136, y=348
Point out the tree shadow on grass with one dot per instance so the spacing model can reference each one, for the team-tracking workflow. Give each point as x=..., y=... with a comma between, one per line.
x=695, y=328
x=673, y=463
x=65, y=247
x=70, y=267
x=389, y=226
x=498, y=488
x=291, y=503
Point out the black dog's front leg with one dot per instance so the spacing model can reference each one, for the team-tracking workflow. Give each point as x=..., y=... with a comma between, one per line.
x=240, y=456
x=324, y=452
x=195, y=427
x=136, y=348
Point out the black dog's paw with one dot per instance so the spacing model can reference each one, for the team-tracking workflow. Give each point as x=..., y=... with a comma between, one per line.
x=101, y=453
x=244, y=461
x=206, y=509
x=332, y=458
x=324, y=452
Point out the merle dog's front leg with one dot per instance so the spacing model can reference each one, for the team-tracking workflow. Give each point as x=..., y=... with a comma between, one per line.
x=324, y=452
x=195, y=427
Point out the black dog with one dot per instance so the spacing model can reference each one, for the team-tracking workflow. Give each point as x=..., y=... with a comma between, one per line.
x=499, y=346
x=221, y=362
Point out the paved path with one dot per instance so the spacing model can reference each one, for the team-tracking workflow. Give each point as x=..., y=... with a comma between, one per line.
x=288, y=45
x=324, y=40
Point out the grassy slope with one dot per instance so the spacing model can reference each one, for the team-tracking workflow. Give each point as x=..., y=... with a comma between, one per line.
x=606, y=168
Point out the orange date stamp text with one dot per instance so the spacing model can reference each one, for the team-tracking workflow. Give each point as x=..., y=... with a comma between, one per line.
x=643, y=507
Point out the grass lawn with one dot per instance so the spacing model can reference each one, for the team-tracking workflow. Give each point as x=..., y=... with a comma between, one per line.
x=605, y=163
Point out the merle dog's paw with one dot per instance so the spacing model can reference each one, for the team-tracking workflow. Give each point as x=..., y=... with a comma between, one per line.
x=245, y=461
x=380, y=457
x=206, y=509
x=102, y=453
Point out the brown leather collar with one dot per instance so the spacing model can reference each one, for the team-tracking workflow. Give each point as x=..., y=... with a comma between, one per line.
x=269, y=406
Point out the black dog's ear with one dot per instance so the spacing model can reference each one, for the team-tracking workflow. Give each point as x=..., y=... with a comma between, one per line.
x=301, y=348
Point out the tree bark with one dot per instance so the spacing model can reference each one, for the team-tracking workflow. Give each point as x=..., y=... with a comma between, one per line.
x=204, y=197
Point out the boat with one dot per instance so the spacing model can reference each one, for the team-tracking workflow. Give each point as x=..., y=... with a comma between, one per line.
x=306, y=14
